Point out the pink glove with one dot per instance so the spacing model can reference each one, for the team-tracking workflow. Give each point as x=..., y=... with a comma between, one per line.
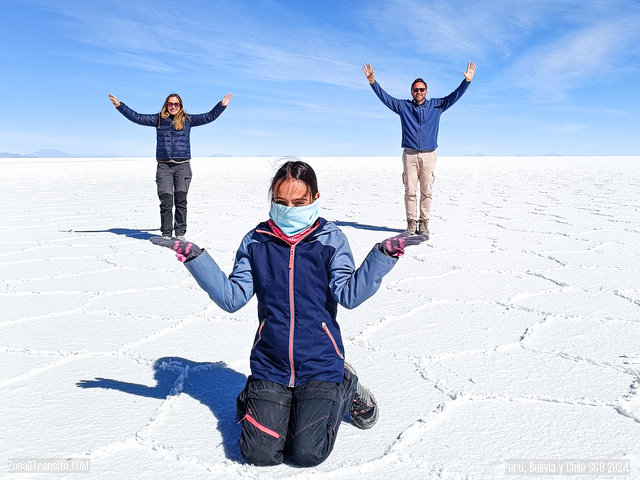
x=394, y=246
x=185, y=251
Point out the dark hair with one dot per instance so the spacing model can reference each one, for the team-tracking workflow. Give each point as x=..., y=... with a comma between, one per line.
x=298, y=170
x=418, y=80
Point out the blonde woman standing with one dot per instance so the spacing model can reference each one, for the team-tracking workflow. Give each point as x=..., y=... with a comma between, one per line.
x=173, y=153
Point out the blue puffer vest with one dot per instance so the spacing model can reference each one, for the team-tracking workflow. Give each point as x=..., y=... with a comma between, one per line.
x=171, y=144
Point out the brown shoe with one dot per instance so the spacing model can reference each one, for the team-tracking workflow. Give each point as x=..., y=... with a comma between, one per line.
x=412, y=226
x=423, y=227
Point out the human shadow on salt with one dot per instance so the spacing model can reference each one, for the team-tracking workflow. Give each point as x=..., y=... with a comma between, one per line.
x=127, y=232
x=213, y=384
x=364, y=226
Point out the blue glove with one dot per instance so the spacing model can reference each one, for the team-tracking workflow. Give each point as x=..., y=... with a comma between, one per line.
x=394, y=246
x=185, y=250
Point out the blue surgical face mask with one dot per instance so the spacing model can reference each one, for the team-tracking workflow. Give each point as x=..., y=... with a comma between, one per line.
x=292, y=220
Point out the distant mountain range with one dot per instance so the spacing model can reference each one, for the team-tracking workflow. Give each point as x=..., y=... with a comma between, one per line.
x=55, y=153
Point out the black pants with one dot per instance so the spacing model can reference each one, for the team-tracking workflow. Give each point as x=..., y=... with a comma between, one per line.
x=173, y=181
x=297, y=424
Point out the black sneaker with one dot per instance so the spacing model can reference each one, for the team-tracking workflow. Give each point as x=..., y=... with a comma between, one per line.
x=364, y=409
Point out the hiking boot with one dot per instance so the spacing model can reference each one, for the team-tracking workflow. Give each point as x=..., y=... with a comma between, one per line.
x=364, y=409
x=411, y=226
x=166, y=235
x=423, y=227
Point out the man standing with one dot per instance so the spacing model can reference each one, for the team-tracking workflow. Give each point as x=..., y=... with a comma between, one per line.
x=420, y=120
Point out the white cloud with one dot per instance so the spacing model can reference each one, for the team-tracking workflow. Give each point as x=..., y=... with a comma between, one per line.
x=228, y=37
x=591, y=55
x=442, y=28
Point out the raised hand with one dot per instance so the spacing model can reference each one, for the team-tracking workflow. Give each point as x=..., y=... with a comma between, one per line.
x=185, y=250
x=368, y=71
x=394, y=246
x=226, y=99
x=471, y=71
x=114, y=100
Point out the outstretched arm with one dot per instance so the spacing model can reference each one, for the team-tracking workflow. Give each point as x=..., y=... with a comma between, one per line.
x=348, y=285
x=230, y=293
x=204, y=118
x=369, y=73
x=471, y=71
x=445, y=102
x=146, y=119
x=391, y=102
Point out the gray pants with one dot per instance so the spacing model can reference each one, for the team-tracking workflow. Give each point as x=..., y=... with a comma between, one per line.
x=173, y=181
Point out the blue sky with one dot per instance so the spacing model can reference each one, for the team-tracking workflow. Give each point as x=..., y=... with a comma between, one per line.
x=553, y=76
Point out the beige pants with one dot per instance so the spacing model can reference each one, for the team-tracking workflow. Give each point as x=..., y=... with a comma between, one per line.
x=418, y=166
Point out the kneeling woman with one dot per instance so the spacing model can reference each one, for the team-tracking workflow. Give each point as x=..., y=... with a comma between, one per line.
x=300, y=267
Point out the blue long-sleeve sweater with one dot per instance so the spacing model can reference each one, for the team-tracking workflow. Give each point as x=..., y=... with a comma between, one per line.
x=420, y=122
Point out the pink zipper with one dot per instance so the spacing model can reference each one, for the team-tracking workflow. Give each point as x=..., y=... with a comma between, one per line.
x=292, y=248
x=335, y=345
x=292, y=320
x=260, y=427
x=259, y=334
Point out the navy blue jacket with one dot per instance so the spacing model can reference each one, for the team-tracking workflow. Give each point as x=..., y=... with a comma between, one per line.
x=299, y=287
x=171, y=144
x=420, y=123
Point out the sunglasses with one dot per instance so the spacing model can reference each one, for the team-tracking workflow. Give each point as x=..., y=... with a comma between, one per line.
x=173, y=104
x=419, y=90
